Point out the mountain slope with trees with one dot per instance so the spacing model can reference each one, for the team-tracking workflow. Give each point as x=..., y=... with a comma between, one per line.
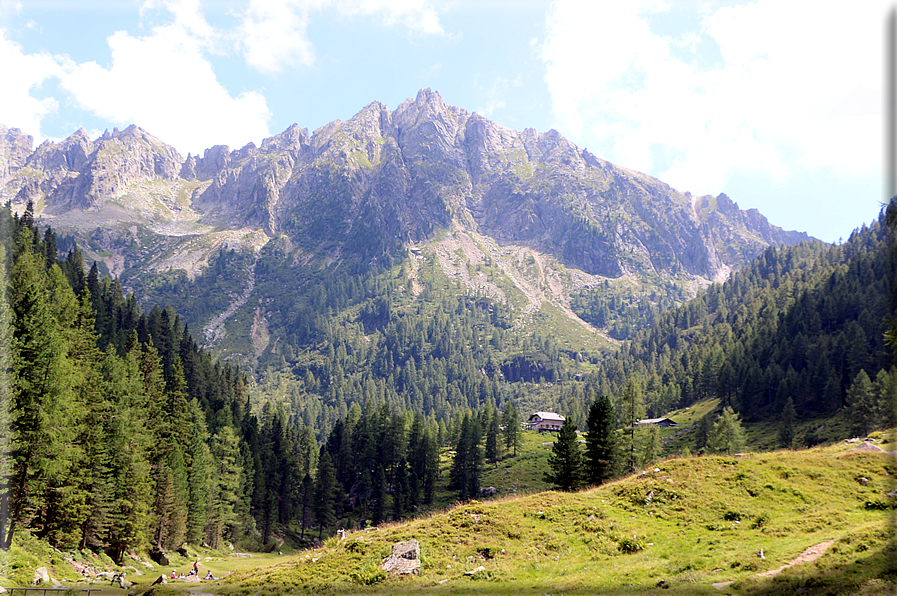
x=526, y=218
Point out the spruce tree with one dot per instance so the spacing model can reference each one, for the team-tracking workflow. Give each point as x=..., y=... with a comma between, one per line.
x=565, y=461
x=325, y=492
x=786, y=428
x=492, y=431
x=861, y=403
x=467, y=463
x=224, y=519
x=46, y=414
x=599, y=453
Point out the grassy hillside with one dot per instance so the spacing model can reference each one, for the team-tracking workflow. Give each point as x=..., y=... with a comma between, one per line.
x=686, y=522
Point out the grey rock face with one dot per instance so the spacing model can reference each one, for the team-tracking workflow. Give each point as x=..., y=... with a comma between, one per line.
x=362, y=188
x=15, y=147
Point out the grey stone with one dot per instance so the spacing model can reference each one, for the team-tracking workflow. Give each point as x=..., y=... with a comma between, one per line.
x=404, y=559
x=41, y=576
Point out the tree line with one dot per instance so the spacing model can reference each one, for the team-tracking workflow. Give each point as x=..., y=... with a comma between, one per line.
x=123, y=434
x=613, y=450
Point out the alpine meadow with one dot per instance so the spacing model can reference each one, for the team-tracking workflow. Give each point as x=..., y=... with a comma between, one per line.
x=419, y=352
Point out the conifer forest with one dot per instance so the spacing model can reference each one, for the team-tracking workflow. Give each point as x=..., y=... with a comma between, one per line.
x=125, y=433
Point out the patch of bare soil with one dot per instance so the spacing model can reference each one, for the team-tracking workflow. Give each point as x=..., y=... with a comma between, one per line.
x=808, y=556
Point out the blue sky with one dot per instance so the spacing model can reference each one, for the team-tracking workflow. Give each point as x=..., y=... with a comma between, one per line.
x=777, y=103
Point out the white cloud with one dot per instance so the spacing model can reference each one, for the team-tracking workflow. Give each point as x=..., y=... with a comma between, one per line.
x=21, y=73
x=165, y=84
x=416, y=15
x=798, y=87
x=495, y=94
x=273, y=34
x=187, y=15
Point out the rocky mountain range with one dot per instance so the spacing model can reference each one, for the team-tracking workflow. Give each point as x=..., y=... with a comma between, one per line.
x=425, y=176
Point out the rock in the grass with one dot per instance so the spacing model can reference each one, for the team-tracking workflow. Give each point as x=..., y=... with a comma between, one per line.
x=404, y=558
x=41, y=576
x=489, y=492
x=866, y=447
x=475, y=570
x=159, y=556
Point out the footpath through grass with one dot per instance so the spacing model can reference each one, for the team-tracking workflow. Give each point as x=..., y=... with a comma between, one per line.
x=676, y=528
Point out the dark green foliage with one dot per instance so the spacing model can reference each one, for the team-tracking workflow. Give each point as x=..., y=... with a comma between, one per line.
x=798, y=322
x=624, y=312
x=599, y=455
x=468, y=459
x=511, y=422
x=786, y=428
x=492, y=431
x=325, y=496
x=147, y=443
x=862, y=404
x=565, y=462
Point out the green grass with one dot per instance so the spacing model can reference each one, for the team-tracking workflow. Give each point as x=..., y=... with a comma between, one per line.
x=695, y=522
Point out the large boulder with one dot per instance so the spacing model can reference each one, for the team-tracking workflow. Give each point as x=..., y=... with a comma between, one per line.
x=159, y=556
x=865, y=447
x=41, y=576
x=404, y=558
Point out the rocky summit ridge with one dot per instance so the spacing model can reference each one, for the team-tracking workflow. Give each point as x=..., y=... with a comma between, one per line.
x=368, y=188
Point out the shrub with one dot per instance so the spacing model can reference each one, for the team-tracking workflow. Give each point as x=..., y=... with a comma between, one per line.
x=630, y=545
x=760, y=521
x=369, y=575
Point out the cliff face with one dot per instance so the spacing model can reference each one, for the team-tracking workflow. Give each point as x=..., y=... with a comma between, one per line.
x=364, y=188
x=82, y=174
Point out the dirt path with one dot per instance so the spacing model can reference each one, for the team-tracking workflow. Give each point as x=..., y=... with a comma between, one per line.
x=808, y=556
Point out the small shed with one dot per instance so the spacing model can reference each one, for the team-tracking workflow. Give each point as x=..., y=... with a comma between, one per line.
x=658, y=422
x=545, y=421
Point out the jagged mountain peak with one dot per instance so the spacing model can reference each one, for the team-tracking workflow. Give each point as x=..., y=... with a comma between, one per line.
x=363, y=187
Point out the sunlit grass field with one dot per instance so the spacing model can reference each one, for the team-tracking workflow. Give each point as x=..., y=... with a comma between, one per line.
x=677, y=527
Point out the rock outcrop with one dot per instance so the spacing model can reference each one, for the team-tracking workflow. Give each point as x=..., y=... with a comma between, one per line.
x=383, y=178
x=366, y=188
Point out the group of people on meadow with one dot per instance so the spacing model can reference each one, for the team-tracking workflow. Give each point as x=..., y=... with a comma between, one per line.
x=192, y=572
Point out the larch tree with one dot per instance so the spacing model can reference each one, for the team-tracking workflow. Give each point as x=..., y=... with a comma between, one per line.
x=511, y=422
x=633, y=404
x=727, y=435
